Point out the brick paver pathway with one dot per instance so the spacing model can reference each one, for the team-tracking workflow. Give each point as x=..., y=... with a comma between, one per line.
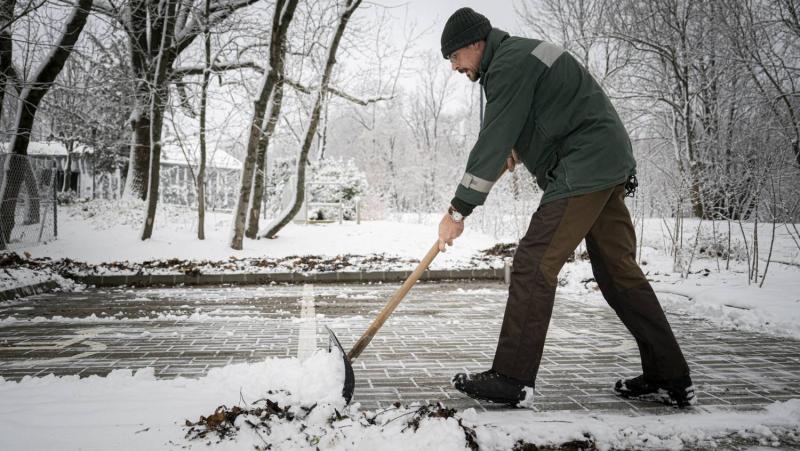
x=438, y=330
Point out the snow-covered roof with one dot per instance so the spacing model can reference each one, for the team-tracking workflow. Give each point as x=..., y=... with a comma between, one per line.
x=48, y=148
x=215, y=158
x=170, y=153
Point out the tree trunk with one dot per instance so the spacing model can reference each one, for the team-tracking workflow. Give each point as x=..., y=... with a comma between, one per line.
x=157, y=115
x=261, y=160
x=350, y=7
x=200, y=182
x=65, y=186
x=6, y=47
x=282, y=17
x=157, y=106
x=139, y=156
x=140, y=48
x=30, y=98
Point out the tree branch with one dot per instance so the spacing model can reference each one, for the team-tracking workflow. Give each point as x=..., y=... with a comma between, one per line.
x=215, y=68
x=338, y=93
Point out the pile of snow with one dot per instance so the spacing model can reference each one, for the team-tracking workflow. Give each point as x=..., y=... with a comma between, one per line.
x=16, y=272
x=723, y=298
x=197, y=315
x=290, y=404
x=732, y=303
x=136, y=411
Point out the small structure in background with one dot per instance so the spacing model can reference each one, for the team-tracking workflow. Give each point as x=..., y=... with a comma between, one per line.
x=87, y=181
x=79, y=168
x=321, y=211
x=333, y=192
x=177, y=185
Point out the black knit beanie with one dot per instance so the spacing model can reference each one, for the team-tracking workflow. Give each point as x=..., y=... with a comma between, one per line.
x=463, y=28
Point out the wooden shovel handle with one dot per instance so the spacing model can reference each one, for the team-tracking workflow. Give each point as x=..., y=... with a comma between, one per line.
x=393, y=302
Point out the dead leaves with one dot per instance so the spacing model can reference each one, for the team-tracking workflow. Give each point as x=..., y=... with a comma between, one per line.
x=265, y=412
x=308, y=263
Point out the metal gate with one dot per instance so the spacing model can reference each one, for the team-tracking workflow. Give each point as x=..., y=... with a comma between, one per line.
x=28, y=213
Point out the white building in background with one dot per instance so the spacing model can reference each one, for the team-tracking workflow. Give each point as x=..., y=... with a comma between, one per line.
x=83, y=179
x=178, y=163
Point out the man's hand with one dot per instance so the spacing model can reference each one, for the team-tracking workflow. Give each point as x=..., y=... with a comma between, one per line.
x=448, y=231
x=512, y=161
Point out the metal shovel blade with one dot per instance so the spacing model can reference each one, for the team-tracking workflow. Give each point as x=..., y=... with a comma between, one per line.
x=349, y=377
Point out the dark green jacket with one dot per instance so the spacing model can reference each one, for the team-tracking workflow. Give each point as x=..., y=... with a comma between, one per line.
x=544, y=104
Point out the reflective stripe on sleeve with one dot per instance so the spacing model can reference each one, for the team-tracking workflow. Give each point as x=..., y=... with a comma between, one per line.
x=547, y=53
x=476, y=183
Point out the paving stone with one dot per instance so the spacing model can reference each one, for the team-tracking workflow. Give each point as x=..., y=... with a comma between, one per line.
x=439, y=329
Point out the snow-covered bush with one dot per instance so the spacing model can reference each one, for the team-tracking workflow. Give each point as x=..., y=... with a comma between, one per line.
x=279, y=174
x=331, y=180
x=709, y=247
x=335, y=181
x=67, y=198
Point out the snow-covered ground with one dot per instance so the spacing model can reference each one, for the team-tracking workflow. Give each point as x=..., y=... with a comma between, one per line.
x=136, y=411
x=106, y=233
x=723, y=298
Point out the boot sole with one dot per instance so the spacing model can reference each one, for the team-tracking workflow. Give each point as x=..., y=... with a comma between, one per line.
x=661, y=396
x=509, y=402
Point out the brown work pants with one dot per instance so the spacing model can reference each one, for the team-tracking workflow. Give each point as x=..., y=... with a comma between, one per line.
x=555, y=231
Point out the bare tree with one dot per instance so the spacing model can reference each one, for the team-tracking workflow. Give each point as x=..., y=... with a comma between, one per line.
x=349, y=8
x=424, y=117
x=30, y=98
x=200, y=181
x=765, y=38
x=258, y=138
x=7, y=71
x=580, y=27
x=64, y=105
x=146, y=22
x=158, y=102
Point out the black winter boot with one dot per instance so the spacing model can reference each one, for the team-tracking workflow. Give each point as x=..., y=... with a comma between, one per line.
x=674, y=392
x=493, y=387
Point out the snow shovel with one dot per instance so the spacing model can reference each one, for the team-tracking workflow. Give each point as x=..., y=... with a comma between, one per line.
x=349, y=377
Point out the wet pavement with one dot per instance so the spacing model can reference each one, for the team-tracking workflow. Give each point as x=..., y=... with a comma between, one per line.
x=438, y=330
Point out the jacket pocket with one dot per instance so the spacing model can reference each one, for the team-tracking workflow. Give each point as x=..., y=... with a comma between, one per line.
x=562, y=167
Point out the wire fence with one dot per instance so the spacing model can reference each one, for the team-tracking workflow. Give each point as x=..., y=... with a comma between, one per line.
x=28, y=213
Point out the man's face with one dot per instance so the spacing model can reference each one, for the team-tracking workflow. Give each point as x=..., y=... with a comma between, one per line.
x=467, y=60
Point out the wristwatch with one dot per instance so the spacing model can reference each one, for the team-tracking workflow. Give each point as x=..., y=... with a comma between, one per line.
x=455, y=215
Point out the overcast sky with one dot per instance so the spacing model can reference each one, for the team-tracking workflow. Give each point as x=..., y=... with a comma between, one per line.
x=434, y=14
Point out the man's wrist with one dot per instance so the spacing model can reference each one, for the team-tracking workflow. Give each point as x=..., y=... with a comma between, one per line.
x=462, y=207
x=455, y=215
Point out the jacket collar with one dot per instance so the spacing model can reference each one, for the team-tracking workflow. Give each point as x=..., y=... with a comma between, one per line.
x=496, y=36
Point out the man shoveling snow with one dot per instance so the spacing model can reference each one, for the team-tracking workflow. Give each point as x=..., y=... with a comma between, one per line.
x=545, y=109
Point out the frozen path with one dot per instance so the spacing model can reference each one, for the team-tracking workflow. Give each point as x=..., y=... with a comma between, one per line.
x=438, y=330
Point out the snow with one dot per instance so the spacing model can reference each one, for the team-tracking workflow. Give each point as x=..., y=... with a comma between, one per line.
x=215, y=158
x=106, y=232
x=722, y=298
x=49, y=148
x=773, y=309
x=644, y=432
x=136, y=411
x=197, y=316
x=133, y=410
x=23, y=277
